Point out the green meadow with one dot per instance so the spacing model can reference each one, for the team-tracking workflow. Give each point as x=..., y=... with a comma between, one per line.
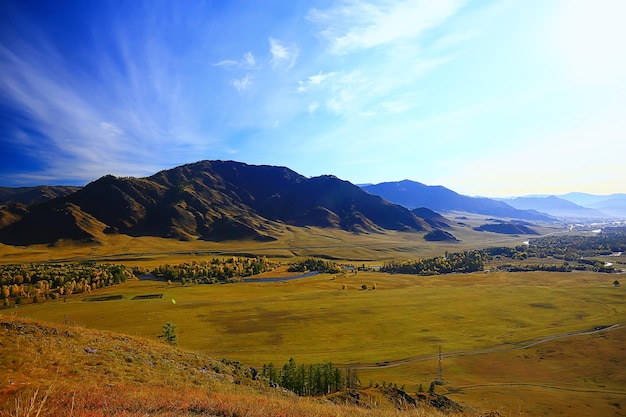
x=390, y=332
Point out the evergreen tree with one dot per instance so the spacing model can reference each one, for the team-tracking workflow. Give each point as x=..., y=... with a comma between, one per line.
x=169, y=333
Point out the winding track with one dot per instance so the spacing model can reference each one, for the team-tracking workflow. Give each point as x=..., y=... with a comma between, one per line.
x=505, y=347
x=522, y=384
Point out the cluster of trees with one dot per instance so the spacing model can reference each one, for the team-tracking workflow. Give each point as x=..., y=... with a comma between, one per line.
x=567, y=247
x=467, y=261
x=574, y=251
x=315, y=265
x=215, y=270
x=41, y=281
x=582, y=265
x=319, y=379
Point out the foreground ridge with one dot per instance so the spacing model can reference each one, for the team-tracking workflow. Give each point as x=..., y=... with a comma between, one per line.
x=58, y=370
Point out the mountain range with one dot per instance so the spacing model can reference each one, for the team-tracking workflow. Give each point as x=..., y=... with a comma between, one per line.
x=225, y=200
x=211, y=200
x=554, y=206
x=413, y=194
x=31, y=195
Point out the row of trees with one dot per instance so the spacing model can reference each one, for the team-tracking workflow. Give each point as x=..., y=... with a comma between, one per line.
x=215, y=270
x=41, y=281
x=582, y=265
x=467, y=261
x=319, y=379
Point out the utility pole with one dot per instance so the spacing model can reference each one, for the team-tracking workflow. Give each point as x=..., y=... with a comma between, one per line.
x=440, y=370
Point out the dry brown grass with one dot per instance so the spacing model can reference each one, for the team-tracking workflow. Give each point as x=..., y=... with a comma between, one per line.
x=55, y=370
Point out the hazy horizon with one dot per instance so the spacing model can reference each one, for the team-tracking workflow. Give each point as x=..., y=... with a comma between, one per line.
x=490, y=98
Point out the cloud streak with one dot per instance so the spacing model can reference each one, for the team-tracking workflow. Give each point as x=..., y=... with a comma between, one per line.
x=357, y=25
x=123, y=105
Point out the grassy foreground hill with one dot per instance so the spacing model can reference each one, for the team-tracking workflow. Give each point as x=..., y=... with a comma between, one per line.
x=58, y=370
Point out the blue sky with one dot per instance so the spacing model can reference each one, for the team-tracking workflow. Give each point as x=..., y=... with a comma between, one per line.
x=493, y=98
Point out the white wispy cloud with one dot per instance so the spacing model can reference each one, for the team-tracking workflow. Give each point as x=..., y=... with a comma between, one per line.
x=121, y=112
x=354, y=25
x=283, y=57
x=247, y=61
x=368, y=79
x=314, y=80
x=243, y=83
x=226, y=63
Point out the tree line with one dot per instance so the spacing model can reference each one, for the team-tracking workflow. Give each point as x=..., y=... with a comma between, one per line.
x=311, y=380
x=216, y=270
x=467, y=261
x=42, y=281
x=318, y=265
x=567, y=247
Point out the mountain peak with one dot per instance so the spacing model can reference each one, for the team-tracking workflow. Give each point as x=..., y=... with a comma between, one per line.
x=215, y=200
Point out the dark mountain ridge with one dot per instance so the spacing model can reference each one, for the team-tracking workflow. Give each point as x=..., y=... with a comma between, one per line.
x=413, y=194
x=211, y=200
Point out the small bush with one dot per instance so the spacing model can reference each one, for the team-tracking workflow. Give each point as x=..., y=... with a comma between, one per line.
x=169, y=333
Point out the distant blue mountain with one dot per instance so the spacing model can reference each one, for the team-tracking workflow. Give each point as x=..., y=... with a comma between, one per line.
x=611, y=205
x=413, y=194
x=554, y=206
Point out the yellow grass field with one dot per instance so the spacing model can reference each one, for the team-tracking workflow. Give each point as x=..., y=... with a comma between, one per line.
x=296, y=242
x=520, y=343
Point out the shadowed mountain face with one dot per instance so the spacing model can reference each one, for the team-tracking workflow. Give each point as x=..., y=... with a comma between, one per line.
x=211, y=200
x=433, y=218
x=413, y=194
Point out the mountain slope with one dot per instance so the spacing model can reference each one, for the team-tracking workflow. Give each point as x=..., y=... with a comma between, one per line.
x=433, y=218
x=413, y=194
x=211, y=200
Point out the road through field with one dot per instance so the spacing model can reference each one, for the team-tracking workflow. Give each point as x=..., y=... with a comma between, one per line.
x=510, y=346
x=521, y=384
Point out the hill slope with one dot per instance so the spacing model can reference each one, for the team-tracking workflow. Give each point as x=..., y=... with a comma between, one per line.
x=413, y=194
x=211, y=200
x=63, y=370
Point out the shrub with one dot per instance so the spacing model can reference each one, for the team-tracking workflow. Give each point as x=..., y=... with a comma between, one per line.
x=169, y=333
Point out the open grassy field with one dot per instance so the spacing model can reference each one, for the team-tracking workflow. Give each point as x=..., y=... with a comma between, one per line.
x=296, y=242
x=487, y=325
